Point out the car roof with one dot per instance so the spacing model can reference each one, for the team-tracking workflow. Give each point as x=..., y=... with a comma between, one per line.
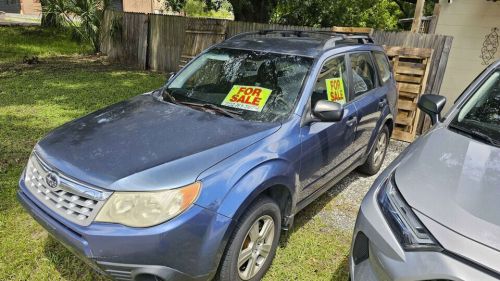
x=301, y=43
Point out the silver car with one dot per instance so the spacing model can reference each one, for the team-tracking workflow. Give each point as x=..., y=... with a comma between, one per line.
x=434, y=213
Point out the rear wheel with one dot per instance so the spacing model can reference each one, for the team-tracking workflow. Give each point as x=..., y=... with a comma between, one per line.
x=377, y=155
x=253, y=244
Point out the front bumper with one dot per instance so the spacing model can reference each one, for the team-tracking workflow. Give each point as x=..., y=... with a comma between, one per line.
x=379, y=256
x=185, y=248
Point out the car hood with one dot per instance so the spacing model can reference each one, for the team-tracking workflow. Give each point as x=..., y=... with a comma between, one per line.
x=454, y=180
x=146, y=144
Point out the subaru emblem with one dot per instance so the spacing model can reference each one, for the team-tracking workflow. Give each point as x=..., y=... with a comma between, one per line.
x=52, y=180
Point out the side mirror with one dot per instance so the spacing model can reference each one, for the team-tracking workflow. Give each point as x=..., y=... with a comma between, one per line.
x=328, y=111
x=432, y=105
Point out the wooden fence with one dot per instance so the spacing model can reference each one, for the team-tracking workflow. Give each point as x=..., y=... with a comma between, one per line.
x=126, y=38
x=166, y=42
x=166, y=37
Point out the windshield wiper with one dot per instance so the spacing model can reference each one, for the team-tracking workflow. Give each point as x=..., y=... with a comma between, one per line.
x=475, y=134
x=167, y=96
x=226, y=112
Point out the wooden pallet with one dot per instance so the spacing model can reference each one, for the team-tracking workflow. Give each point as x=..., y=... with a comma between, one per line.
x=411, y=68
x=353, y=30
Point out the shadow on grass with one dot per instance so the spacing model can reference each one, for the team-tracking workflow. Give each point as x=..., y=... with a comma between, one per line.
x=81, y=84
x=342, y=271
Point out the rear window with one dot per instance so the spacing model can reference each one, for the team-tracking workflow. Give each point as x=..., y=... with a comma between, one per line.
x=382, y=66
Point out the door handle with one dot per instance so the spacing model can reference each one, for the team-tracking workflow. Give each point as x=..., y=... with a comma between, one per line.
x=351, y=121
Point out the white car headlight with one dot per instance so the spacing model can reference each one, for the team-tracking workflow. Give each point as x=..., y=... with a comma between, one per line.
x=405, y=225
x=144, y=209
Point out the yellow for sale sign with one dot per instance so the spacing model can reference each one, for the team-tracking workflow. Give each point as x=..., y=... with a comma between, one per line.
x=251, y=98
x=335, y=90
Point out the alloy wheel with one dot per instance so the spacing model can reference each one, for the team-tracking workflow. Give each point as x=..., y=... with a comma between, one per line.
x=380, y=149
x=256, y=247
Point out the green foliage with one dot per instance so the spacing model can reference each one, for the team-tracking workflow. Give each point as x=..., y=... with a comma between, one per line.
x=254, y=10
x=199, y=8
x=82, y=16
x=243, y=10
x=319, y=13
x=48, y=19
x=326, y=13
x=408, y=9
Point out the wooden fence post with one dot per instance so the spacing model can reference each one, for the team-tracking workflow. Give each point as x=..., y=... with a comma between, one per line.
x=417, y=18
x=435, y=18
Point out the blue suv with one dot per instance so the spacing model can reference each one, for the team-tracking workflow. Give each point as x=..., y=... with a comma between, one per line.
x=199, y=179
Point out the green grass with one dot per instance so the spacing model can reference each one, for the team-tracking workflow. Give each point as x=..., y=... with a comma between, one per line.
x=34, y=99
x=315, y=250
x=17, y=42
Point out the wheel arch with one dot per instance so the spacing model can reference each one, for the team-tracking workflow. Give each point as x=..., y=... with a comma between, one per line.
x=274, y=178
x=389, y=122
x=280, y=187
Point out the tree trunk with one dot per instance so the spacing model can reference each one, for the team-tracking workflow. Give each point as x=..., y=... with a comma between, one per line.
x=253, y=10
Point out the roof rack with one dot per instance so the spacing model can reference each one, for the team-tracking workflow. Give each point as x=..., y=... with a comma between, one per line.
x=330, y=38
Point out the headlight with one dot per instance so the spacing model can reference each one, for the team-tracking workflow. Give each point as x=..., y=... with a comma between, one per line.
x=144, y=209
x=408, y=229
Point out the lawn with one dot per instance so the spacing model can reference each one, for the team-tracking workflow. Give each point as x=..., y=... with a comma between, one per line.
x=17, y=42
x=69, y=83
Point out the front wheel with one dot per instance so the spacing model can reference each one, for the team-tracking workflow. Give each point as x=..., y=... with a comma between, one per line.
x=253, y=244
x=377, y=155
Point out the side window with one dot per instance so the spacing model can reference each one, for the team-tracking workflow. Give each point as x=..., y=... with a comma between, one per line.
x=332, y=83
x=363, y=73
x=382, y=65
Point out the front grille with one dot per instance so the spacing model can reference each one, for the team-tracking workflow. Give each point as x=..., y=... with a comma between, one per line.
x=76, y=202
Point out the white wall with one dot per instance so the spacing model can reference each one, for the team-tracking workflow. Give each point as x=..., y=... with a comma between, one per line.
x=469, y=22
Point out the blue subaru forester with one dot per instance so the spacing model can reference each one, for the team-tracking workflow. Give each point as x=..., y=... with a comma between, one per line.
x=198, y=179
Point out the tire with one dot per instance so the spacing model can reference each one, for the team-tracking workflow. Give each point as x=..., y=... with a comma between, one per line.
x=262, y=214
x=377, y=154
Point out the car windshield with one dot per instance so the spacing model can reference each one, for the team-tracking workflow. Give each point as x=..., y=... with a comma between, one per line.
x=480, y=116
x=253, y=85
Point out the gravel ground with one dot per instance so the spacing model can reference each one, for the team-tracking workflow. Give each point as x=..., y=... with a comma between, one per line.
x=349, y=193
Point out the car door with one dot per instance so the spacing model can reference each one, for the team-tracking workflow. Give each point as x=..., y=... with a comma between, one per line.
x=326, y=145
x=369, y=98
